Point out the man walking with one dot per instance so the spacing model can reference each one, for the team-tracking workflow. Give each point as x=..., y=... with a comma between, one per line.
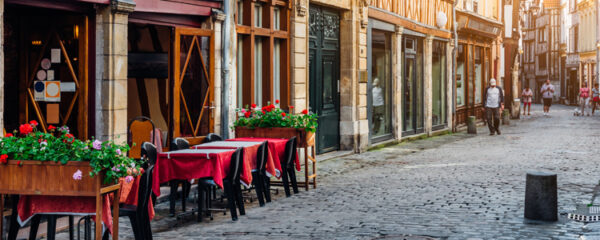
x=494, y=104
x=547, y=94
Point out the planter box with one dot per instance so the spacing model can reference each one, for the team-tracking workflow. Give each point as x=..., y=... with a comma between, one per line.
x=48, y=178
x=56, y=179
x=304, y=138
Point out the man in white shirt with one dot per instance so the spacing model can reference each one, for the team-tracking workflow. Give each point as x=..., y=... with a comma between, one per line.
x=378, y=106
x=547, y=94
x=493, y=105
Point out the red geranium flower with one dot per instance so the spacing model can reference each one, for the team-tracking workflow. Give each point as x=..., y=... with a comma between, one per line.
x=253, y=105
x=277, y=101
x=304, y=111
x=50, y=127
x=25, y=129
x=8, y=135
x=19, y=163
x=291, y=107
x=33, y=122
x=283, y=114
x=4, y=158
x=263, y=111
x=247, y=114
x=70, y=138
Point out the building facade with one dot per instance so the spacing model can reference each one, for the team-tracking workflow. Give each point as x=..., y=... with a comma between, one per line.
x=409, y=59
x=374, y=71
x=479, y=55
x=586, y=43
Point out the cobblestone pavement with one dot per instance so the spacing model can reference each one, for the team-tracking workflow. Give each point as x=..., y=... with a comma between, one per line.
x=456, y=186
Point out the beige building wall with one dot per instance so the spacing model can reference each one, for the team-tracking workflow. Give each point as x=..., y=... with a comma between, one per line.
x=353, y=115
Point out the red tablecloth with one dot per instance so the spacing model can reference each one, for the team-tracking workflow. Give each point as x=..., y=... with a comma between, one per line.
x=29, y=205
x=276, y=148
x=192, y=164
x=250, y=153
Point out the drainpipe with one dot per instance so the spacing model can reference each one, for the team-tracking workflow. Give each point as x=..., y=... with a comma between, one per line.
x=225, y=40
x=454, y=66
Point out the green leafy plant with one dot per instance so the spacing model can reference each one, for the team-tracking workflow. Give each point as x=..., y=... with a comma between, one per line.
x=59, y=145
x=271, y=116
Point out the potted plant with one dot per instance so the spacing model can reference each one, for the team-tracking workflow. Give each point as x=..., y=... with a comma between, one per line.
x=40, y=163
x=273, y=122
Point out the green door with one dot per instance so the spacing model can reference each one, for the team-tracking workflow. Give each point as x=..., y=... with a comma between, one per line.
x=324, y=55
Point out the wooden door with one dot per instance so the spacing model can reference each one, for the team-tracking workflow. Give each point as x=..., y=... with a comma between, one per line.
x=193, y=103
x=54, y=61
x=324, y=76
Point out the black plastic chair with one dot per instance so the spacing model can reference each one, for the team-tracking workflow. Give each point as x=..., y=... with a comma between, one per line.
x=138, y=215
x=287, y=167
x=259, y=176
x=231, y=187
x=179, y=144
x=211, y=137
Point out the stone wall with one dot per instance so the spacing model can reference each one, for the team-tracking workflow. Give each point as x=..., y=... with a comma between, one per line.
x=111, y=70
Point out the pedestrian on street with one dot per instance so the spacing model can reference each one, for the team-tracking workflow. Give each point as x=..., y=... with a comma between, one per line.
x=547, y=95
x=595, y=97
x=526, y=97
x=584, y=97
x=494, y=104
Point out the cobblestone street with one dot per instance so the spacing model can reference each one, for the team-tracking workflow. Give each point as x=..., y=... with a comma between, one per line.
x=455, y=186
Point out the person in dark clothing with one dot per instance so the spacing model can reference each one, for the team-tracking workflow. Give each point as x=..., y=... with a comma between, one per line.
x=493, y=105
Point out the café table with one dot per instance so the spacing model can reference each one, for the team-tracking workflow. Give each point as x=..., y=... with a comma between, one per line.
x=276, y=149
x=194, y=164
x=250, y=153
x=30, y=205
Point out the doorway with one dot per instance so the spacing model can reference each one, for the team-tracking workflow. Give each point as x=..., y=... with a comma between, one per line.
x=412, y=99
x=46, y=69
x=324, y=75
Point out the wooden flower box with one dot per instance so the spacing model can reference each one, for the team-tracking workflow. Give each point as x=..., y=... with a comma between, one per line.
x=304, y=138
x=56, y=179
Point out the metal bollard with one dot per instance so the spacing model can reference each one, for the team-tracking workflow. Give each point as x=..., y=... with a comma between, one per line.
x=541, y=196
x=471, y=127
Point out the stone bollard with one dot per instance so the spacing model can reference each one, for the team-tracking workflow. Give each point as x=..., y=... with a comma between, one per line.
x=541, y=196
x=471, y=127
x=505, y=117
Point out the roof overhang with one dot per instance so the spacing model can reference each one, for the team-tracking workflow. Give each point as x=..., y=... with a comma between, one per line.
x=472, y=22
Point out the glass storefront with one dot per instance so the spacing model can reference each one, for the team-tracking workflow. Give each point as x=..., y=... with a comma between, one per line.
x=412, y=88
x=460, y=76
x=478, y=66
x=380, y=86
x=439, y=84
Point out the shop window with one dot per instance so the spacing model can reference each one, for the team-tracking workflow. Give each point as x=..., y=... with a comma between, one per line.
x=460, y=76
x=263, y=53
x=439, y=83
x=478, y=67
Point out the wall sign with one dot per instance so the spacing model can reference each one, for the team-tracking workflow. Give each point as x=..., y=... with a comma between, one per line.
x=52, y=91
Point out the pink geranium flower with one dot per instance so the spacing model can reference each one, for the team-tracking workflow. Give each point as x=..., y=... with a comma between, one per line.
x=77, y=175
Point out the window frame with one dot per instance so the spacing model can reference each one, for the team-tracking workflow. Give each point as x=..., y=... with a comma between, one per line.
x=268, y=34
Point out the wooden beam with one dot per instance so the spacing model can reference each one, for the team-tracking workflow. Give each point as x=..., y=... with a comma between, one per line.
x=386, y=17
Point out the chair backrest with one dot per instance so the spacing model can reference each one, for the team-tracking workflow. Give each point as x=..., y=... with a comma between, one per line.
x=211, y=137
x=290, y=152
x=261, y=157
x=235, y=167
x=139, y=130
x=144, y=190
x=179, y=144
x=149, y=153
x=195, y=140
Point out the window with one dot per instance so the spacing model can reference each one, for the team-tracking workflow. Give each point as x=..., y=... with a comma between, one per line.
x=460, y=76
x=438, y=70
x=542, y=35
x=542, y=60
x=262, y=52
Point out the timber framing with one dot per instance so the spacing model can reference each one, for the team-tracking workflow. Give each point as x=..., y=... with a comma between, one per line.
x=396, y=19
